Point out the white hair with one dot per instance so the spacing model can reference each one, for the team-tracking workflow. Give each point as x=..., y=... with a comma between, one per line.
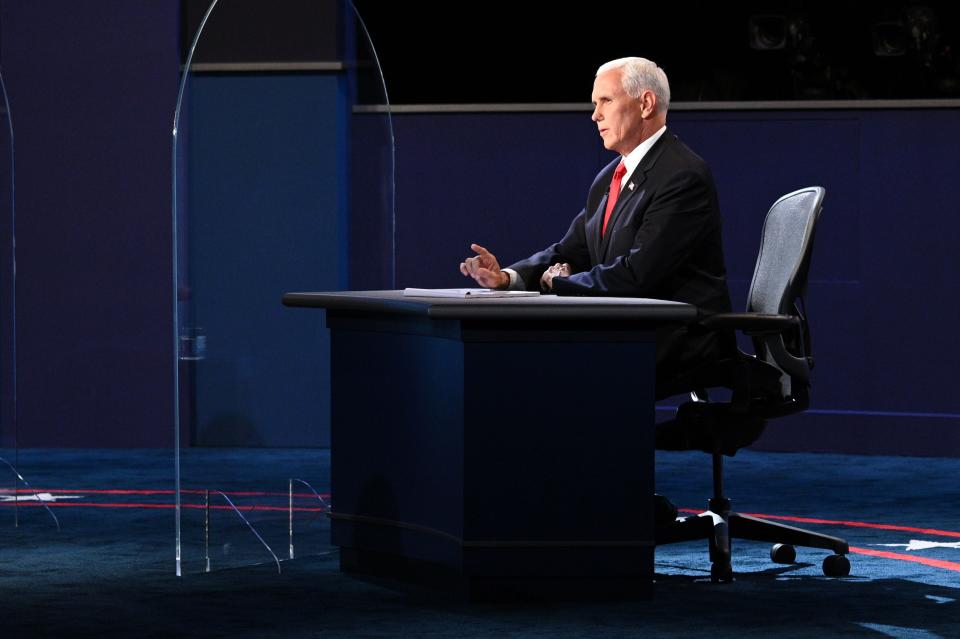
x=639, y=75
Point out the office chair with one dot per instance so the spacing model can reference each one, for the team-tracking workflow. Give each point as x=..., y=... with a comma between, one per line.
x=772, y=383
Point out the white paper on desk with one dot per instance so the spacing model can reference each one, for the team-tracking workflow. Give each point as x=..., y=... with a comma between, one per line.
x=465, y=293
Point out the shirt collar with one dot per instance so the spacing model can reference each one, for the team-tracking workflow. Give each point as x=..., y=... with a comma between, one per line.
x=632, y=159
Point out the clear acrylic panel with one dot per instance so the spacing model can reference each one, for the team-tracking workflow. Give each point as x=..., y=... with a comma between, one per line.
x=10, y=483
x=267, y=134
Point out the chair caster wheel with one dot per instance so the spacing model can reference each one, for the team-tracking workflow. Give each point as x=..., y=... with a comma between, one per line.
x=721, y=573
x=836, y=566
x=783, y=554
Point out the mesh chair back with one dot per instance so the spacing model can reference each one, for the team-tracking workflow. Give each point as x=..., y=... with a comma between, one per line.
x=780, y=277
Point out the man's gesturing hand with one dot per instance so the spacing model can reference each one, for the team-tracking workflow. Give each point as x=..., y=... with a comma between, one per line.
x=484, y=268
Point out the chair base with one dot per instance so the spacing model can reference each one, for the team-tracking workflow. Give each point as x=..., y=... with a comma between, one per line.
x=719, y=525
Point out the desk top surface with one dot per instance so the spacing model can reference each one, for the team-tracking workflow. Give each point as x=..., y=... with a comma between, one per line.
x=540, y=307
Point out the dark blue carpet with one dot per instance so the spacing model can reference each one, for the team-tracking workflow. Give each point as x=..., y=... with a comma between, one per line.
x=109, y=571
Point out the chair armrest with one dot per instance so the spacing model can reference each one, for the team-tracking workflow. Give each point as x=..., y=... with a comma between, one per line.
x=751, y=323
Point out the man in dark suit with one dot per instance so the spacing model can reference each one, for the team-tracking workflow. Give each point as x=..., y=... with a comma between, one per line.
x=650, y=227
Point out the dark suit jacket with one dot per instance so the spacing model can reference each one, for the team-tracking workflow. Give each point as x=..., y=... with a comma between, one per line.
x=663, y=241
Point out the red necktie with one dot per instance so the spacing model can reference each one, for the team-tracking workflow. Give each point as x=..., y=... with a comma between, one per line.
x=614, y=195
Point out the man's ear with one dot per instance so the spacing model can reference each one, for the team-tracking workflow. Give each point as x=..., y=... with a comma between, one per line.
x=648, y=104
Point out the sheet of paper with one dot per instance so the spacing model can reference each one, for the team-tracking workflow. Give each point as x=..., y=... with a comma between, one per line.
x=465, y=293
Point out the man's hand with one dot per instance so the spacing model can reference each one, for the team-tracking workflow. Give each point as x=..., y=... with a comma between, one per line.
x=557, y=270
x=485, y=269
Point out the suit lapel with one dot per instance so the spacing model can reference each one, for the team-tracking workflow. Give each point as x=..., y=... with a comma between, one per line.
x=632, y=185
x=592, y=230
x=595, y=221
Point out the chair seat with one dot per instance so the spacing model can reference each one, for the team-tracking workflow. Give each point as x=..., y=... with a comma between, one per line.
x=741, y=373
x=710, y=428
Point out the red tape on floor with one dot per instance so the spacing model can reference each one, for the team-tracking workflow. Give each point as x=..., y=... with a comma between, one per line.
x=852, y=524
x=85, y=504
x=168, y=491
x=935, y=563
x=885, y=554
x=926, y=561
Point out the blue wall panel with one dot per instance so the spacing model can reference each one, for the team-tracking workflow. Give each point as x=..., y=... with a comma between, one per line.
x=264, y=217
x=92, y=90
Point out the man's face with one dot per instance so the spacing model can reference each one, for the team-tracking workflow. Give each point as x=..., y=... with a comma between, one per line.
x=618, y=116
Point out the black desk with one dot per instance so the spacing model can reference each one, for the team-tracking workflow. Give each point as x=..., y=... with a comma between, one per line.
x=498, y=444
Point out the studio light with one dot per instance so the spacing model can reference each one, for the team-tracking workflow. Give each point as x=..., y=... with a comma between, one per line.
x=768, y=32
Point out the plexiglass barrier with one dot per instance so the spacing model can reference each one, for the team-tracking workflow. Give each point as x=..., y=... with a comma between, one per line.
x=10, y=483
x=264, y=153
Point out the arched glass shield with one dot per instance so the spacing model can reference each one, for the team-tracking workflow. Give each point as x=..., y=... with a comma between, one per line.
x=10, y=485
x=280, y=184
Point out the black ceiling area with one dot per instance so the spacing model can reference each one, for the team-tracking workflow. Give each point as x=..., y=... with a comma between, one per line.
x=515, y=52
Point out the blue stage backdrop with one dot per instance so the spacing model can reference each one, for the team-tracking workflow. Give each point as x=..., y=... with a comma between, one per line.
x=92, y=88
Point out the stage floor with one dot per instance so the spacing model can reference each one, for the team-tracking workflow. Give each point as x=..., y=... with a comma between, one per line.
x=109, y=570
